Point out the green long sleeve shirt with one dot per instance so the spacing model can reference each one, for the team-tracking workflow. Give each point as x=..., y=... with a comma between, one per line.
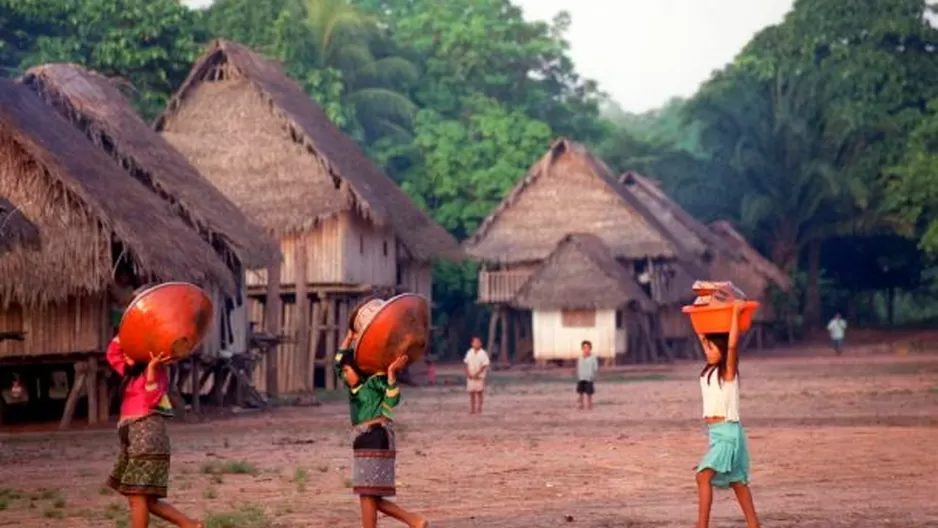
x=372, y=398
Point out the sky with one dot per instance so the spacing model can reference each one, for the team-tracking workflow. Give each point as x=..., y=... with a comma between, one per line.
x=644, y=52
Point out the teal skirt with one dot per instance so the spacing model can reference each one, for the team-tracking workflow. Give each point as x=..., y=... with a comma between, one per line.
x=728, y=455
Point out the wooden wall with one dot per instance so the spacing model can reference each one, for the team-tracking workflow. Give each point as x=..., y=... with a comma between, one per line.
x=324, y=260
x=554, y=341
x=73, y=327
x=214, y=344
x=417, y=277
x=674, y=324
x=370, y=252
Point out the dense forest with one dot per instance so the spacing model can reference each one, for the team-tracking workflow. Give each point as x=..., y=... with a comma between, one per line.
x=819, y=140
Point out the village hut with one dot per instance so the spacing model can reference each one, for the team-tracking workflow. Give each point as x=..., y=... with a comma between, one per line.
x=92, y=218
x=345, y=228
x=581, y=292
x=570, y=191
x=95, y=105
x=15, y=229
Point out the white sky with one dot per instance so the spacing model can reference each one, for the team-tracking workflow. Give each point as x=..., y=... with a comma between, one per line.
x=643, y=52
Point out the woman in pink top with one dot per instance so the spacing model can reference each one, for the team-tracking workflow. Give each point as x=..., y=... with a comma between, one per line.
x=141, y=472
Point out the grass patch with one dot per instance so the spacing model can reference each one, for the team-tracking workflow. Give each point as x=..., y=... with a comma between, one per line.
x=229, y=467
x=210, y=493
x=53, y=513
x=249, y=516
x=300, y=478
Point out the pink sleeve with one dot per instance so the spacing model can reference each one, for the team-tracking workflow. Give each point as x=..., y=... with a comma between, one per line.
x=152, y=397
x=115, y=356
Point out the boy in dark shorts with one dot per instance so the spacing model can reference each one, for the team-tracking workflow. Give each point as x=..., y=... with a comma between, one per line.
x=587, y=366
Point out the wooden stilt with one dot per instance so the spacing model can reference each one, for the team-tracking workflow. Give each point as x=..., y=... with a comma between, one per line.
x=78, y=389
x=331, y=339
x=104, y=410
x=493, y=324
x=175, y=395
x=272, y=315
x=91, y=388
x=342, y=317
x=194, y=378
x=316, y=335
x=307, y=356
x=515, y=318
x=503, y=342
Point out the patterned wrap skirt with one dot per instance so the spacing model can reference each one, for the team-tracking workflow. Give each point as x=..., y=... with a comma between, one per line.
x=375, y=455
x=728, y=455
x=142, y=466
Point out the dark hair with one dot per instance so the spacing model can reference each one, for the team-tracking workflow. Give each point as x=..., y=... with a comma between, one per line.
x=722, y=343
x=587, y=343
x=131, y=372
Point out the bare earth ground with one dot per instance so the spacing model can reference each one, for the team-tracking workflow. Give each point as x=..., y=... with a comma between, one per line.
x=836, y=442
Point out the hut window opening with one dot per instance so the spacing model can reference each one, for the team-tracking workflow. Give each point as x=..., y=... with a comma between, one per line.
x=361, y=244
x=578, y=318
x=620, y=320
x=384, y=247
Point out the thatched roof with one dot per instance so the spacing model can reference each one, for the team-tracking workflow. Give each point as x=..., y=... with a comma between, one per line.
x=569, y=190
x=694, y=235
x=767, y=268
x=581, y=273
x=294, y=202
x=15, y=229
x=95, y=105
x=82, y=203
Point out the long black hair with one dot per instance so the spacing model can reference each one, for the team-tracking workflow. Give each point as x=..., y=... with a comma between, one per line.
x=722, y=343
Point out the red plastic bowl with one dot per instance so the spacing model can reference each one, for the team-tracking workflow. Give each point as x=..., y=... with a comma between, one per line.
x=401, y=326
x=717, y=318
x=169, y=318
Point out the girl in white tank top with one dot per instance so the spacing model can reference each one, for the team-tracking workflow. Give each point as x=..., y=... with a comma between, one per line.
x=726, y=464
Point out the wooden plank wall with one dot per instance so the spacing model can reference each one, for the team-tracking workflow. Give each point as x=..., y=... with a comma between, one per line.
x=72, y=327
x=324, y=257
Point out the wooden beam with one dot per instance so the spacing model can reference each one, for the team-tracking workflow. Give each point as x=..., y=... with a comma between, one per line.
x=342, y=319
x=331, y=343
x=272, y=325
x=194, y=383
x=91, y=388
x=104, y=402
x=78, y=388
x=302, y=311
x=316, y=335
x=493, y=324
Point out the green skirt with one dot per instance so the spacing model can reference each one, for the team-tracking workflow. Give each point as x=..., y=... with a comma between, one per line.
x=728, y=455
x=142, y=466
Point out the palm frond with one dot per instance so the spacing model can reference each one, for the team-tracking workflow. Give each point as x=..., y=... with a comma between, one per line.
x=382, y=102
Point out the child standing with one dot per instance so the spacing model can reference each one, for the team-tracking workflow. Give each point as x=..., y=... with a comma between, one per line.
x=587, y=366
x=371, y=402
x=726, y=464
x=837, y=327
x=141, y=472
x=477, y=364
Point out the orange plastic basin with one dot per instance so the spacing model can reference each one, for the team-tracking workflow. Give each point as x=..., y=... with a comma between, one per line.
x=169, y=318
x=401, y=326
x=717, y=318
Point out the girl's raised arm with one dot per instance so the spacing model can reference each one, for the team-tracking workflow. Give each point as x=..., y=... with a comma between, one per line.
x=732, y=348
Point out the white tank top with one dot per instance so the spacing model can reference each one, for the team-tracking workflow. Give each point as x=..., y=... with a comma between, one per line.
x=720, y=399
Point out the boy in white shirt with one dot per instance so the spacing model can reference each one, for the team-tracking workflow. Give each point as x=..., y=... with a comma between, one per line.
x=477, y=364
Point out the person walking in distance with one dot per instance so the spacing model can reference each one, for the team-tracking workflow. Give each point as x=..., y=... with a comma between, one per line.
x=837, y=327
x=477, y=364
x=587, y=366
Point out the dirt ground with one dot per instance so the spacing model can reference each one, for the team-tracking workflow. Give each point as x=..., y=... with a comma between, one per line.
x=836, y=442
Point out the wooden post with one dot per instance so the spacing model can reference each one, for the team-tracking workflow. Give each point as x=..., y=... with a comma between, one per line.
x=91, y=388
x=104, y=401
x=316, y=338
x=272, y=325
x=342, y=318
x=78, y=388
x=504, y=344
x=493, y=325
x=194, y=379
x=331, y=344
x=302, y=311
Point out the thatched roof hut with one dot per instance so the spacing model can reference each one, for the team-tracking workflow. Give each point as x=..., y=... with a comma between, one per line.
x=581, y=273
x=85, y=206
x=694, y=235
x=305, y=169
x=753, y=258
x=95, y=105
x=15, y=229
x=566, y=191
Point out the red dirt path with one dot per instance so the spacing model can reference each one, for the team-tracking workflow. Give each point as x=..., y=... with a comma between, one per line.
x=836, y=442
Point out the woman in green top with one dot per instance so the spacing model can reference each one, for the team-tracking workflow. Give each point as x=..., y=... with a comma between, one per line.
x=371, y=403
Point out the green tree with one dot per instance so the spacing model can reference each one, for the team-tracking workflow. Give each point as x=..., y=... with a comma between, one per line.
x=913, y=183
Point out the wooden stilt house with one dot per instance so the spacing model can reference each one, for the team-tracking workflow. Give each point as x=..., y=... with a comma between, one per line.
x=91, y=219
x=94, y=105
x=581, y=292
x=345, y=228
x=570, y=191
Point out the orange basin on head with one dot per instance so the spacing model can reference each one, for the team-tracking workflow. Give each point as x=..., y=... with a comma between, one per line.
x=716, y=318
x=401, y=326
x=170, y=318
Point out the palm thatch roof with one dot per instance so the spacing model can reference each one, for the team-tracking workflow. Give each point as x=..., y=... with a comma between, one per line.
x=308, y=172
x=15, y=229
x=694, y=235
x=95, y=105
x=581, y=273
x=569, y=190
x=84, y=204
x=750, y=255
